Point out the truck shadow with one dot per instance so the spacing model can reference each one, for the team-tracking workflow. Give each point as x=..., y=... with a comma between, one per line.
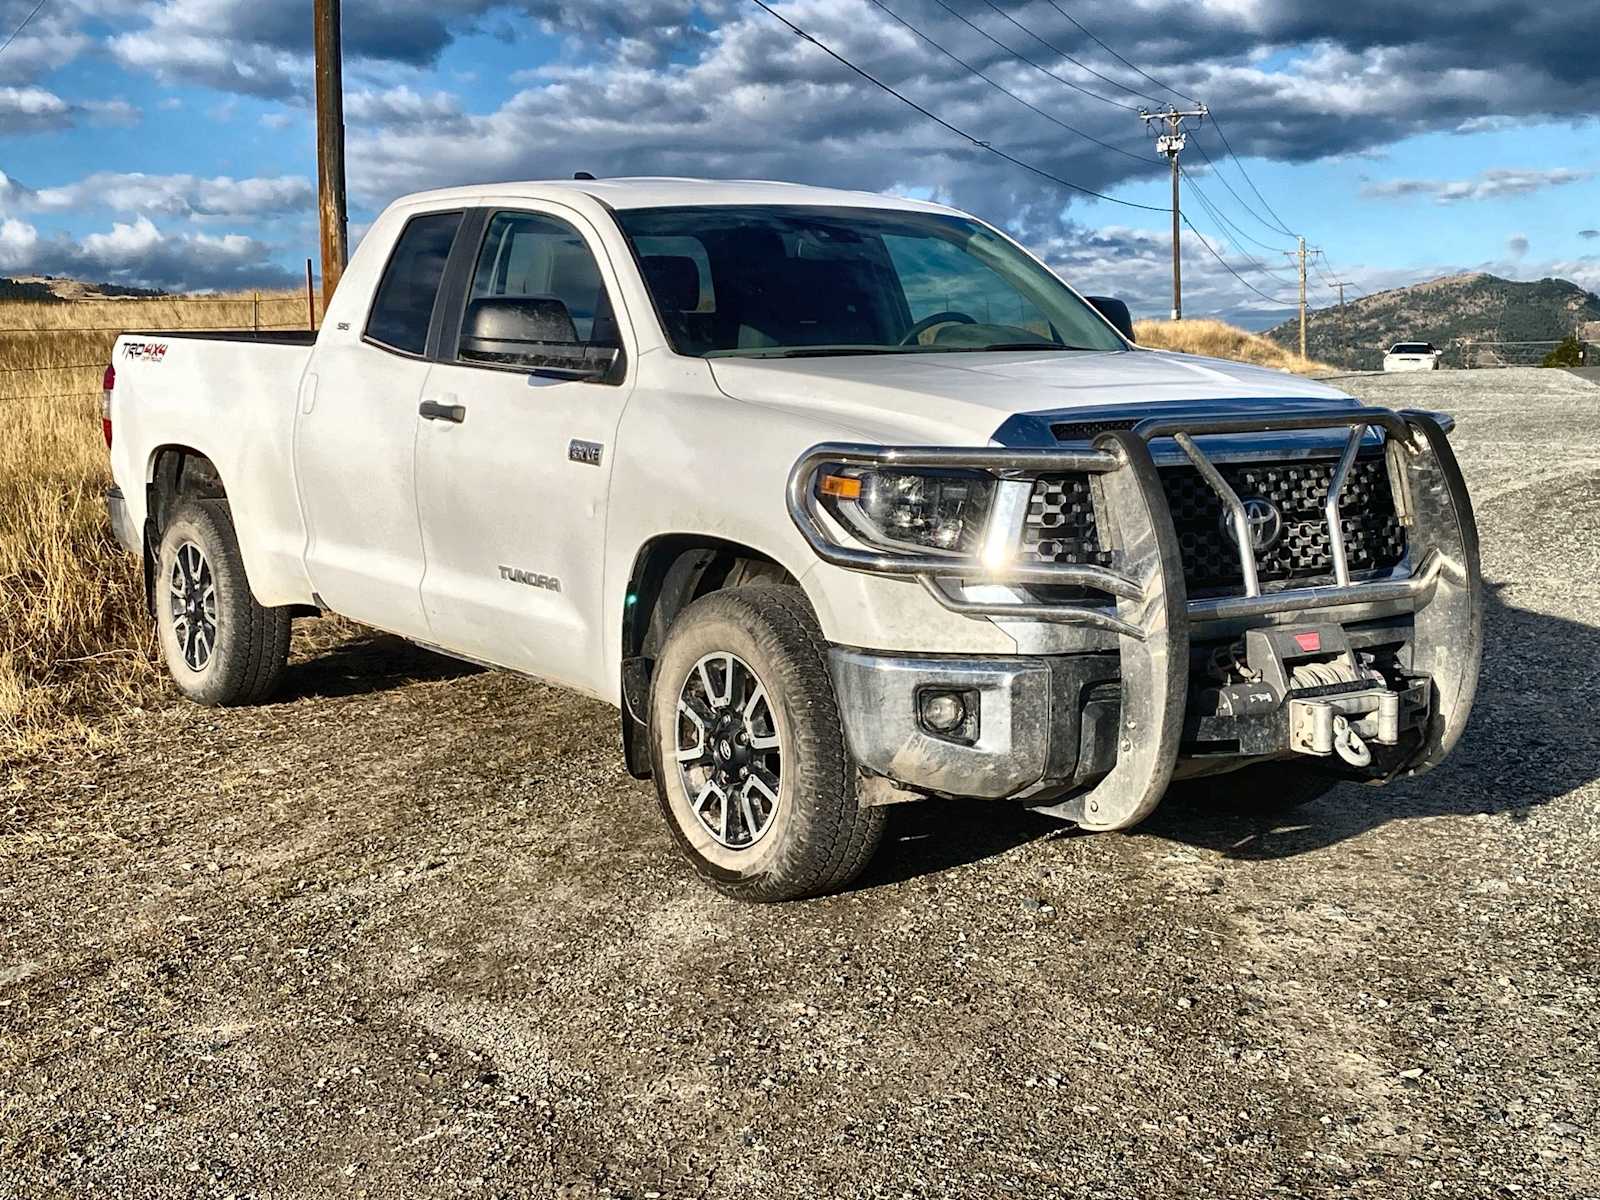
x=1532, y=738
x=339, y=658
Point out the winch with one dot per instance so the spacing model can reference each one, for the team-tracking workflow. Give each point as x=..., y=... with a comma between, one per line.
x=1306, y=690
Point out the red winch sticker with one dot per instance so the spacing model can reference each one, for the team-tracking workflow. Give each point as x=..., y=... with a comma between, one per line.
x=148, y=351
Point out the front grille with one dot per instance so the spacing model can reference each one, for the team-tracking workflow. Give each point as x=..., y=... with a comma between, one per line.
x=1060, y=527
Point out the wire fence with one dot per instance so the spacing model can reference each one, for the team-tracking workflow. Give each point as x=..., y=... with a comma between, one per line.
x=26, y=350
x=1477, y=355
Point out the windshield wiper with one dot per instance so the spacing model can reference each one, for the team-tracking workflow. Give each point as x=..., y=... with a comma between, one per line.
x=1024, y=346
x=827, y=351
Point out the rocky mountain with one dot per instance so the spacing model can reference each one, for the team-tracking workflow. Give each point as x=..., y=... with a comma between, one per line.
x=1446, y=312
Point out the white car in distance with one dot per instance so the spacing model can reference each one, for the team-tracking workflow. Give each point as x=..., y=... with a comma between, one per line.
x=1412, y=356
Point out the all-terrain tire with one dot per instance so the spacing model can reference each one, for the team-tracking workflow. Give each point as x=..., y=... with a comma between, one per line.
x=1269, y=787
x=249, y=647
x=820, y=836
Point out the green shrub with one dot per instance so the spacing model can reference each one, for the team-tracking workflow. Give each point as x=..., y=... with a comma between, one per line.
x=1568, y=354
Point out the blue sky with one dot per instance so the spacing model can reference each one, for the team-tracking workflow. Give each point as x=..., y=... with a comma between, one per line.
x=169, y=142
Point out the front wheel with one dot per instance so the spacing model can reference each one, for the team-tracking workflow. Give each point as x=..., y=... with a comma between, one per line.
x=221, y=647
x=751, y=765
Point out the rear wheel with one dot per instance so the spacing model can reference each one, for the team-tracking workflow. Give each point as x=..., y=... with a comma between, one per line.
x=220, y=646
x=751, y=766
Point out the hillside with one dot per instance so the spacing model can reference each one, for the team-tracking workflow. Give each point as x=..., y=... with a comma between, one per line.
x=1443, y=311
x=60, y=287
x=1220, y=340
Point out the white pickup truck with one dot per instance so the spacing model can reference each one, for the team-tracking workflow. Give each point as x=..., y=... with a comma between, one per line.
x=840, y=499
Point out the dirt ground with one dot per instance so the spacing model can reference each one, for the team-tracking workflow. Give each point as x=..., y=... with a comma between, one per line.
x=412, y=932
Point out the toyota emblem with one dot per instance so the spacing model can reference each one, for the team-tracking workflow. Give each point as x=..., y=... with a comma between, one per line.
x=1266, y=523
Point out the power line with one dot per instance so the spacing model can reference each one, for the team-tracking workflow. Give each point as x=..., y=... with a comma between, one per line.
x=1229, y=267
x=1216, y=213
x=18, y=30
x=1243, y=203
x=1002, y=88
x=1239, y=162
x=979, y=29
x=1055, y=49
x=940, y=121
x=1228, y=226
x=1140, y=70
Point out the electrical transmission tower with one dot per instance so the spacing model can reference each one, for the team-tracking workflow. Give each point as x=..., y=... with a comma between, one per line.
x=1172, y=143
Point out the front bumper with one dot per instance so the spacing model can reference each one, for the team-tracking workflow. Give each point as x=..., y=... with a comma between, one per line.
x=1038, y=721
x=122, y=526
x=1132, y=743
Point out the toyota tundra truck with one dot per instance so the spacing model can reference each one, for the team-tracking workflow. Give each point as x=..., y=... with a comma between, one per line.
x=841, y=500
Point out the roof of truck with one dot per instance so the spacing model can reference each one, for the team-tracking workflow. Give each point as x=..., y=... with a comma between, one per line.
x=663, y=192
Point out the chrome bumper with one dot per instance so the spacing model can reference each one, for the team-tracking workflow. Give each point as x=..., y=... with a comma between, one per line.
x=122, y=526
x=878, y=697
x=1147, y=609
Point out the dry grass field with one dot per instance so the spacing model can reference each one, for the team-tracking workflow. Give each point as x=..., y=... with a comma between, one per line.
x=75, y=651
x=1221, y=340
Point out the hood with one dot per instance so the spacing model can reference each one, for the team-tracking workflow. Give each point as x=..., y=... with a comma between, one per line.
x=968, y=398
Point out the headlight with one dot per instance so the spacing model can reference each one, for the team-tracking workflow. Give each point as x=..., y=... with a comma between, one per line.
x=935, y=510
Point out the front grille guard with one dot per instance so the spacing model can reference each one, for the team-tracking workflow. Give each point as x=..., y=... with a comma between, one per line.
x=1148, y=607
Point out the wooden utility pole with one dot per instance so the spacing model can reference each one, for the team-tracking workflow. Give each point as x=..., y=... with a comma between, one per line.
x=1301, y=256
x=330, y=145
x=1341, y=284
x=1171, y=143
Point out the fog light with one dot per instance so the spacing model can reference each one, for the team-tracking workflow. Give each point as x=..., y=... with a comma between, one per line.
x=943, y=712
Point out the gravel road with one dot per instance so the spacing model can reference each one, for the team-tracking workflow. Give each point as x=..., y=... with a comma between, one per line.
x=411, y=932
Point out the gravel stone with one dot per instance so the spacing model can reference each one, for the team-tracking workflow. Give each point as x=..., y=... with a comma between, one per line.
x=411, y=931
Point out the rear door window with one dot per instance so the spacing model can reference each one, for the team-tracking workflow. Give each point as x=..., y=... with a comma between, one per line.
x=403, y=308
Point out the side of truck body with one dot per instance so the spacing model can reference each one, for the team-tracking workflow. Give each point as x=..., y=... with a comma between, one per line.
x=412, y=469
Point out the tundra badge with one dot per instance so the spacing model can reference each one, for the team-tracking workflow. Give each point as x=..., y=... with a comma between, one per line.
x=585, y=452
x=517, y=575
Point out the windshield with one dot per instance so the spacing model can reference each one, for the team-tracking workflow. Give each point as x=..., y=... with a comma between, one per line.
x=793, y=281
x=1413, y=348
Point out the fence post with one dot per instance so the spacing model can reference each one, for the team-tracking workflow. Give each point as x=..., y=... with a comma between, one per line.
x=255, y=312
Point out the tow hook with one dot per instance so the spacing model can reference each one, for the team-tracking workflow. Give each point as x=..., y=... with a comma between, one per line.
x=1342, y=724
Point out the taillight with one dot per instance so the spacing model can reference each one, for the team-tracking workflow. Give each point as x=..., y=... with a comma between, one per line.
x=106, y=385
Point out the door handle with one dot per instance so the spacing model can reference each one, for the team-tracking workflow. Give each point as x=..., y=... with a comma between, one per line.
x=432, y=410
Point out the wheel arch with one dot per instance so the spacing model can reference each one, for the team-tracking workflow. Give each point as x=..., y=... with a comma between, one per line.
x=172, y=473
x=670, y=571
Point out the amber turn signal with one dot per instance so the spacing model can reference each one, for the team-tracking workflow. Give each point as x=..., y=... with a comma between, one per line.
x=841, y=487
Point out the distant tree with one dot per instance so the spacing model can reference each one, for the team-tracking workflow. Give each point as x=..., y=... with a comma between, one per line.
x=1568, y=354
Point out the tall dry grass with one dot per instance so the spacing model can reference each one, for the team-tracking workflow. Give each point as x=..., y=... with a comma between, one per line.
x=1218, y=339
x=76, y=652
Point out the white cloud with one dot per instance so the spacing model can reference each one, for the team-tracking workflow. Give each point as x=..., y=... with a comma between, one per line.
x=400, y=106
x=33, y=109
x=1496, y=184
x=140, y=254
x=165, y=195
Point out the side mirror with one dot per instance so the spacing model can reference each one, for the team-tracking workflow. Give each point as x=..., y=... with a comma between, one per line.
x=534, y=334
x=1116, y=312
